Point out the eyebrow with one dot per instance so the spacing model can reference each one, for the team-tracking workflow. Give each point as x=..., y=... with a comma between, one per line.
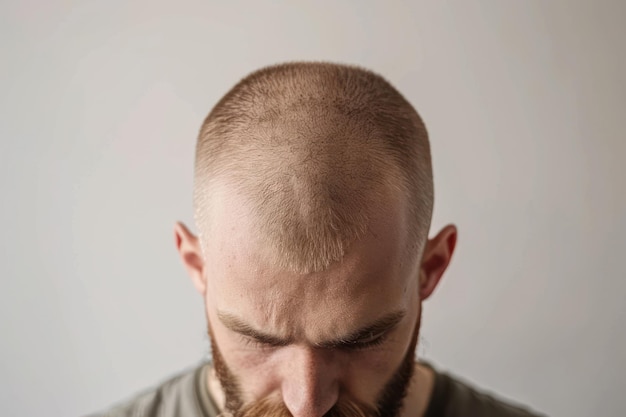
x=237, y=325
x=377, y=328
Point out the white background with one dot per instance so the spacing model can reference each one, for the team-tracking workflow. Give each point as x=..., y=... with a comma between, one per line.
x=101, y=102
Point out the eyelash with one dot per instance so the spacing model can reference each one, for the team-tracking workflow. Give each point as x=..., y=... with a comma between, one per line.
x=248, y=341
x=369, y=344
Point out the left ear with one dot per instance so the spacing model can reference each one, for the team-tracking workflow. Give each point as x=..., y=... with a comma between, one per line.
x=436, y=258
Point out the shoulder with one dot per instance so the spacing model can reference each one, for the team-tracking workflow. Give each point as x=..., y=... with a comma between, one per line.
x=454, y=397
x=174, y=397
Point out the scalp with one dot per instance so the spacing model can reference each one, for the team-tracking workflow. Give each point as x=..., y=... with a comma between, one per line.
x=313, y=147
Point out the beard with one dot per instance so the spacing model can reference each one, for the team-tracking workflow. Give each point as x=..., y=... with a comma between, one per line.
x=388, y=404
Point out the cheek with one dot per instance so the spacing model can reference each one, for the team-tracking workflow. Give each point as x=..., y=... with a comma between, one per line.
x=370, y=370
x=252, y=367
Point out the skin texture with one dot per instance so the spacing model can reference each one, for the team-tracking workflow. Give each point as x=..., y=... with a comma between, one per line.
x=310, y=144
x=299, y=364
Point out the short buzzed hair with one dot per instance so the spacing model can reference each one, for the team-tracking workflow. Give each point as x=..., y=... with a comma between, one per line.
x=311, y=146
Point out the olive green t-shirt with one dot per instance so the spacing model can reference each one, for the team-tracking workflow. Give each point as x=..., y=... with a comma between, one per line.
x=187, y=395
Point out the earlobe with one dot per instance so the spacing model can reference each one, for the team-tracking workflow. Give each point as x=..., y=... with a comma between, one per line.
x=437, y=256
x=188, y=247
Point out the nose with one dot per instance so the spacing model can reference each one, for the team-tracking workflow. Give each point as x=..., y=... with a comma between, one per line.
x=310, y=385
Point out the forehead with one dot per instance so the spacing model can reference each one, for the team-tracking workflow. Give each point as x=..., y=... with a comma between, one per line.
x=371, y=280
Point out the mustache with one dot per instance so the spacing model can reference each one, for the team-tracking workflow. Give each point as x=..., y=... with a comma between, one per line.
x=268, y=407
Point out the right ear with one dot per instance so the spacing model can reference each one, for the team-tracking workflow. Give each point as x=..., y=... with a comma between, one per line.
x=188, y=247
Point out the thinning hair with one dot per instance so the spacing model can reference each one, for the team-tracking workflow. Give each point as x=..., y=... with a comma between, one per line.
x=311, y=146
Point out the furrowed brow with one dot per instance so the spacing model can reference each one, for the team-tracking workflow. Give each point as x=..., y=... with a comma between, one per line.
x=378, y=327
x=237, y=325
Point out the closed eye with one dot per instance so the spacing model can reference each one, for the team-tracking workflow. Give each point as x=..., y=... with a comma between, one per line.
x=345, y=345
x=260, y=343
x=363, y=344
x=369, y=336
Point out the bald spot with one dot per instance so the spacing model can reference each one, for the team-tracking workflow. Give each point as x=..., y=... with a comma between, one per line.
x=312, y=146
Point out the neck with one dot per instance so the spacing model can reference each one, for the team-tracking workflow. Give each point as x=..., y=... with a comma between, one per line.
x=215, y=389
x=419, y=392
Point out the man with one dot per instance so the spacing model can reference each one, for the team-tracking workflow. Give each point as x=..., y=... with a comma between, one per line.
x=313, y=197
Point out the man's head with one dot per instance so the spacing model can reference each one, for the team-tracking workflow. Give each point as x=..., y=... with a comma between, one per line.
x=313, y=196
